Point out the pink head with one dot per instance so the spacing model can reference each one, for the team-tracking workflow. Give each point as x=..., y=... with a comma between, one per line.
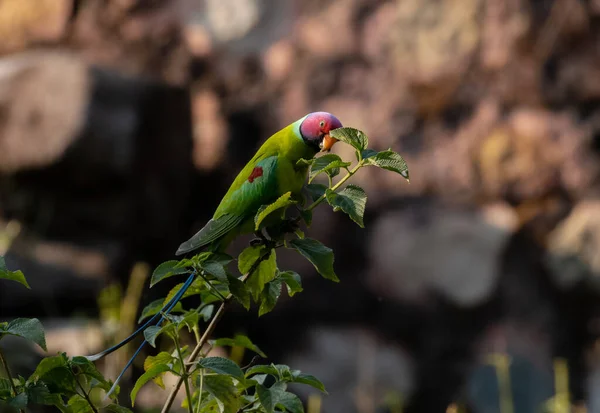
x=316, y=127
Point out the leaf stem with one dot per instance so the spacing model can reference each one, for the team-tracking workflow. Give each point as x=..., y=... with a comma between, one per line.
x=8, y=373
x=336, y=186
x=211, y=287
x=184, y=372
x=200, y=390
x=206, y=335
x=85, y=395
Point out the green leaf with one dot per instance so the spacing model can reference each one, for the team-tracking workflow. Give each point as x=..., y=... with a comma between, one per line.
x=307, y=215
x=154, y=308
x=48, y=364
x=239, y=290
x=115, y=408
x=283, y=201
x=81, y=365
x=248, y=258
x=222, y=365
x=12, y=275
x=351, y=136
x=293, y=281
x=19, y=401
x=352, y=200
x=5, y=388
x=215, y=269
x=162, y=358
x=241, y=341
x=270, y=397
x=152, y=332
x=311, y=381
x=367, y=153
x=146, y=377
x=263, y=369
x=269, y=296
x=80, y=405
x=222, y=389
x=60, y=380
x=291, y=402
x=39, y=393
x=28, y=328
x=390, y=161
x=329, y=164
x=318, y=254
x=165, y=270
x=264, y=273
x=316, y=191
x=206, y=312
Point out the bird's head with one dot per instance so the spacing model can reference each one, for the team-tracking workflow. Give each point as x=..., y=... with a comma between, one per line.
x=315, y=130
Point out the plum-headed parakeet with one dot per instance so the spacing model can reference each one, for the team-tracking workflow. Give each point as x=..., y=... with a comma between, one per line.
x=270, y=173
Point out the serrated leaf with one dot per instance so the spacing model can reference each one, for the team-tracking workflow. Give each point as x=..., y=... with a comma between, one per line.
x=18, y=402
x=152, y=332
x=318, y=254
x=316, y=191
x=48, y=364
x=215, y=269
x=6, y=274
x=60, y=380
x=248, y=258
x=329, y=164
x=222, y=389
x=311, y=381
x=154, y=308
x=293, y=282
x=206, y=312
x=263, y=369
x=81, y=365
x=283, y=201
x=354, y=137
x=367, y=153
x=265, y=272
x=38, y=393
x=269, y=296
x=146, y=377
x=161, y=358
x=222, y=365
x=165, y=270
x=390, y=161
x=80, y=405
x=241, y=341
x=5, y=388
x=291, y=402
x=239, y=290
x=270, y=397
x=28, y=328
x=352, y=200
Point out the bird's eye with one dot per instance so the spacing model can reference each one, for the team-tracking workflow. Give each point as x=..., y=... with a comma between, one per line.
x=322, y=124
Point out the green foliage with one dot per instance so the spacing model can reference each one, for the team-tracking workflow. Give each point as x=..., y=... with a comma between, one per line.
x=352, y=200
x=354, y=137
x=28, y=328
x=6, y=274
x=212, y=384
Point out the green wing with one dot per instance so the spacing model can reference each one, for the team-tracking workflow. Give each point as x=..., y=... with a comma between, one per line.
x=255, y=185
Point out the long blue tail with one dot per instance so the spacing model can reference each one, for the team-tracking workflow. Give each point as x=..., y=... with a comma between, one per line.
x=152, y=321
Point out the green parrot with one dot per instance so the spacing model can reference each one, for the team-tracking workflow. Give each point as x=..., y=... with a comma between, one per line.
x=270, y=173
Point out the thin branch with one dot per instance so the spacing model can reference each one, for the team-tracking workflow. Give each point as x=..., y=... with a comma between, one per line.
x=184, y=373
x=205, y=336
x=8, y=373
x=86, y=396
x=336, y=186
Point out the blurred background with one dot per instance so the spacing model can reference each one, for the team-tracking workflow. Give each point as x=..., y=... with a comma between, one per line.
x=474, y=289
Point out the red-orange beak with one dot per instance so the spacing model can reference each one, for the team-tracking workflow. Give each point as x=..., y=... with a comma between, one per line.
x=328, y=143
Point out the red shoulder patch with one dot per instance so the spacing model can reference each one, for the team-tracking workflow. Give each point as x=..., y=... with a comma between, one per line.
x=256, y=172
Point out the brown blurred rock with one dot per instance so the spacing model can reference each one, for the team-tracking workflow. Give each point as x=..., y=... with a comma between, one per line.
x=43, y=97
